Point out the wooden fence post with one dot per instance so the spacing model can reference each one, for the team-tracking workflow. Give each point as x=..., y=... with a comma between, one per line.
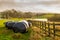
x=45, y=27
x=54, y=29
x=40, y=28
x=48, y=29
x=40, y=25
x=33, y=23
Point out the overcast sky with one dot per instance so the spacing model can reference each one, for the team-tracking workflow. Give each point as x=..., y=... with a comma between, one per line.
x=31, y=5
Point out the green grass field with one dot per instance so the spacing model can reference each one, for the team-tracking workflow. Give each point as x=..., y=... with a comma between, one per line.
x=6, y=34
x=45, y=16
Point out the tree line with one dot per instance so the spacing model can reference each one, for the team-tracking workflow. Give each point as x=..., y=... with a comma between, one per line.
x=16, y=14
x=19, y=14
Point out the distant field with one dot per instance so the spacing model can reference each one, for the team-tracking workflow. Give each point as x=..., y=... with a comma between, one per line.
x=5, y=20
x=45, y=16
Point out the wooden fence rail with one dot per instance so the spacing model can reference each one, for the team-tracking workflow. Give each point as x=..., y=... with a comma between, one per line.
x=49, y=28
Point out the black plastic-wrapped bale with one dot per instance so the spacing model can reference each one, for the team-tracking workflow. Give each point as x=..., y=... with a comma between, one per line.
x=9, y=25
x=20, y=27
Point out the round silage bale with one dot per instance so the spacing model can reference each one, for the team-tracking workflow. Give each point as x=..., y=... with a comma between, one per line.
x=26, y=23
x=20, y=27
x=9, y=25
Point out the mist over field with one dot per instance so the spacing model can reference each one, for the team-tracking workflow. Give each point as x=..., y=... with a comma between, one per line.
x=52, y=6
